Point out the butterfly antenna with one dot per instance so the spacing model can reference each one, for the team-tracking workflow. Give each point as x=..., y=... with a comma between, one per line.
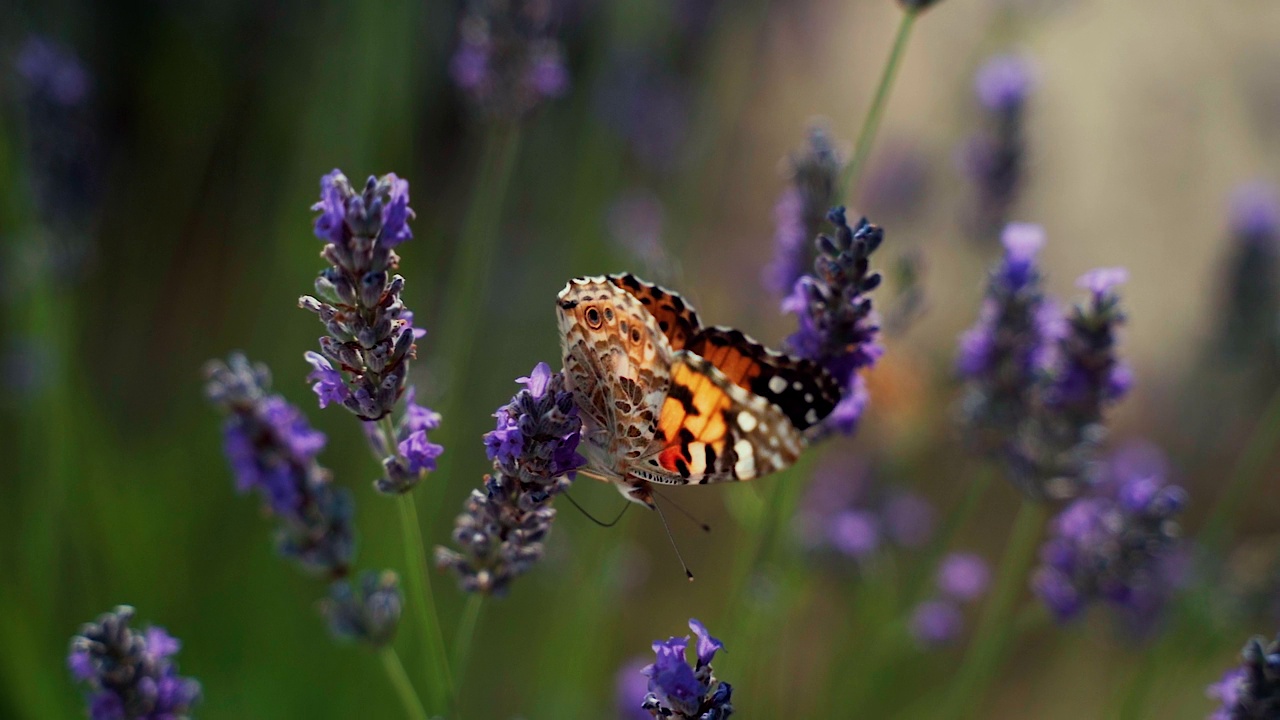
x=592, y=518
x=688, y=573
x=705, y=527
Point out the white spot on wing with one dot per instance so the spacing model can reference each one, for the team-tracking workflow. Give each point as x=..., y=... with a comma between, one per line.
x=746, y=421
x=777, y=384
x=811, y=417
x=745, y=467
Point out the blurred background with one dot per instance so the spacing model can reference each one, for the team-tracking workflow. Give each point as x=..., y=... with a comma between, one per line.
x=157, y=165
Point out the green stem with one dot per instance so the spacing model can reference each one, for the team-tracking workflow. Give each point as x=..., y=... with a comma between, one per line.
x=1261, y=446
x=400, y=681
x=871, y=123
x=462, y=641
x=438, y=679
x=996, y=627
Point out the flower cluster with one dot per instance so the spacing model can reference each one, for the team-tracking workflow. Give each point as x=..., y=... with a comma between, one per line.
x=838, y=327
x=677, y=690
x=845, y=511
x=801, y=210
x=995, y=159
x=412, y=454
x=131, y=675
x=1036, y=383
x=534, y=452
x=368, y=612
x=272, y=449
x=1252, y=690
x=365, y=357
x=646, y=102
x=508, y=60
x=962, y=578
x=1249, y=331
x=1119, y=543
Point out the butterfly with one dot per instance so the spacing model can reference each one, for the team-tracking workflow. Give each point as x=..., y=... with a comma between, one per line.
x=665, y=400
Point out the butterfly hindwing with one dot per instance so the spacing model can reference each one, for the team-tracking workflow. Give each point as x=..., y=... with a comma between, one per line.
x=803, y=390
x=712, y=430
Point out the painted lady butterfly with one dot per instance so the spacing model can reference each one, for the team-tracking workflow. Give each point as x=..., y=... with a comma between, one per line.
x=665, y=400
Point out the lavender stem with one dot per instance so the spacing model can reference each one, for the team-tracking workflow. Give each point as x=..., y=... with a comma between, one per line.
x=400, y=681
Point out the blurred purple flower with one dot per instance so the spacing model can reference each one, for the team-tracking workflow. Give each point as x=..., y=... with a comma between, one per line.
x=1116, y=544
x=994, y=159
x=273, y=449
x=802, y=209
x=49, y=68
x=1248, y=334
x=646, y=103
x=908, y=519
x=634, y=221
x=935, y=623
x=367, y=611
x=507, y=60
x=963, y=576
x=855, y=533
x=896, y=183
x=130, y=674
x=630, y=689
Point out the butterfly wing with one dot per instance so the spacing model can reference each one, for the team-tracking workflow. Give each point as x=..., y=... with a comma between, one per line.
x=803, y=390
x=713, y=430
x=675, y=318
x=616, y=364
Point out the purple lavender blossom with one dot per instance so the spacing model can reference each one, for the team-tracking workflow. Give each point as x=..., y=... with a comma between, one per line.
x=802, y=209
x=677, y=690
x=272, y=450
x=838, y=328
x=534, y=452
x=131, y=675
x=1252, y=690
x=508, y=61
x=896, y=182
x=845, y=511
x=935, y=623
x=855, y=533
x=1088, y=377
x=963, y=576
x=1002, y=357
x=365, y=357
x=1117, y=544
x=995, y=158
x=367, y=611
x=1249, y=334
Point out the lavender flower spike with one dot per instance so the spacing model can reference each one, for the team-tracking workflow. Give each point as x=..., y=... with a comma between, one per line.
x=534, y=452
x=995, y=158
x=1087, y=379
x=801, y=210
x=131, y=674
x=272, y=449
x=1003, y=356
x=368, y=612
x=365, y=357
x=677, y=690
x=1117, y=544
x=1250, y=691
x=838, y=327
